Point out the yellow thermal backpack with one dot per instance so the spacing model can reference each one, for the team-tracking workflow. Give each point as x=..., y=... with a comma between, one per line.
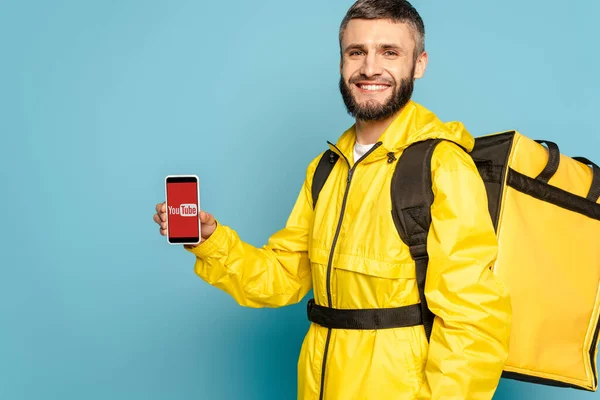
x=545, y=210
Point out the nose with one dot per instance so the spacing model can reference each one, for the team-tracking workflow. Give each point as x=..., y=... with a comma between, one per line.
x=370, y=66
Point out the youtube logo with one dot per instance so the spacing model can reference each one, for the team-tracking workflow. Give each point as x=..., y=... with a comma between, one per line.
x=185, y=210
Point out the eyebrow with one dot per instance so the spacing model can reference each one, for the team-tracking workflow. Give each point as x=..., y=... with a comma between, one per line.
x=382, y=46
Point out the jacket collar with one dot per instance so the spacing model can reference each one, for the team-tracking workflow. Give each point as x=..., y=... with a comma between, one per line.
x=413, y=124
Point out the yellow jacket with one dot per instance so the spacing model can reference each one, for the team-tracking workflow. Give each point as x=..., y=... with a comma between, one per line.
x=372, y=268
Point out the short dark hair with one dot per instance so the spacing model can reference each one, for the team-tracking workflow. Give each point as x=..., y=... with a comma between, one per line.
x=396, y=10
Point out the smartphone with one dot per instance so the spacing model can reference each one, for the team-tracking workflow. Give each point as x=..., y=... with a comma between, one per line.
x=183, y=205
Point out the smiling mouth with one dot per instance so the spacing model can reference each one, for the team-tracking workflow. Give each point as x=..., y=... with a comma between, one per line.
x=371, y=87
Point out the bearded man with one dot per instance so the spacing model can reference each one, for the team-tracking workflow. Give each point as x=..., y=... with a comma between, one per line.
x=346, y=247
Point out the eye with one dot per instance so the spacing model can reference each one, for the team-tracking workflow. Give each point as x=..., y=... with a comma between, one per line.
x=354, y=53
x=390, y=53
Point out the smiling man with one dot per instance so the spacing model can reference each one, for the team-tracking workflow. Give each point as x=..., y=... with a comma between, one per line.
x=369, y=338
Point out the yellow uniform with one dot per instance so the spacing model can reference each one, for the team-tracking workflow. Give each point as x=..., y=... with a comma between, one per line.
x=348, y=250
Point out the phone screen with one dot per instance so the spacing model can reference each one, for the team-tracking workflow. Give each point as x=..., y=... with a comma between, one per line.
x=182, y=209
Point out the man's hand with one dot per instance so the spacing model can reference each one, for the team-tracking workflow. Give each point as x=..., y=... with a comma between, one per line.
x=207, y=222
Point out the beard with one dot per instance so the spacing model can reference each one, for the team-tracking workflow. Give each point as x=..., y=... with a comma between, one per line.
x=372, y=110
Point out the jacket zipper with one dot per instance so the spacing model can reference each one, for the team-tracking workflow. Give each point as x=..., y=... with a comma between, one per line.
x=335, y=239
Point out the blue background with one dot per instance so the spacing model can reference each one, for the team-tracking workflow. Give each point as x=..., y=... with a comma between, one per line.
x=101, y=99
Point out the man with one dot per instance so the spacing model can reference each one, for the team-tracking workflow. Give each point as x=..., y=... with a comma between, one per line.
x=348, y=250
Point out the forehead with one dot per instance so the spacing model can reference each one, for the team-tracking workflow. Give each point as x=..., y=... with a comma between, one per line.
x=377, y=31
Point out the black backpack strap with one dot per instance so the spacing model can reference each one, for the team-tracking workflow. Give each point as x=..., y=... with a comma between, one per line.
x=553, y=161
x=594, y=192
x=412, y=197
x=324, y=168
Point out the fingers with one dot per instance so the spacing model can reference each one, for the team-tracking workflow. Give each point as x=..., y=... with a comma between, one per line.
x=161, y=212
x=161, y=217
x=159, y=221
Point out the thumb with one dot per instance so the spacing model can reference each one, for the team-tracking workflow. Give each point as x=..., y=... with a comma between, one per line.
x=208, y=223
x=206, y=218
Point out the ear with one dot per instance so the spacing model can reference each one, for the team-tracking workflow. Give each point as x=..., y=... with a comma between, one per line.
x=421, y=65
x=341, y=64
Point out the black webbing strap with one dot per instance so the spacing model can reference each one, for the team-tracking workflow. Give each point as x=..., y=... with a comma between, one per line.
x=369, y=318
x=553, y=161
x=421, y=264
x=326, y=164
x=412, y=197
x=594, y=192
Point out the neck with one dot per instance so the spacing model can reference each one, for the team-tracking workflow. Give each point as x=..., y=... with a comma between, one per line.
x=369, y=132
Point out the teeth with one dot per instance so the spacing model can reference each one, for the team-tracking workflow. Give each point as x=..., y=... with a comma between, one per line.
x=373, y=87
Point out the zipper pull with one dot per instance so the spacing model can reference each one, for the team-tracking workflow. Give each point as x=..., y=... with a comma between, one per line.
x=350, y=173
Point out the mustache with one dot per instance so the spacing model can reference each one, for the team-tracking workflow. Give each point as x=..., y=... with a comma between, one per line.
x=363, y=78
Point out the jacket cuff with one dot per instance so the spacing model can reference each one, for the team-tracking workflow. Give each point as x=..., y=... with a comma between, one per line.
x=213, y=244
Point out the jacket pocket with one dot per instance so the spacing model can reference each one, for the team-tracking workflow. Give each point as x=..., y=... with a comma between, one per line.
x=359, y=282
x=375, y=268
x=411, y=341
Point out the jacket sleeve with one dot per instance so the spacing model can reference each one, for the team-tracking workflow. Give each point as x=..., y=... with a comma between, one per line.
x=470, y=336
x=275, y=275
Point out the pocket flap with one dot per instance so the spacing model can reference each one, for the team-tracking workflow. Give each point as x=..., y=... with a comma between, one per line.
x=376, y=268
